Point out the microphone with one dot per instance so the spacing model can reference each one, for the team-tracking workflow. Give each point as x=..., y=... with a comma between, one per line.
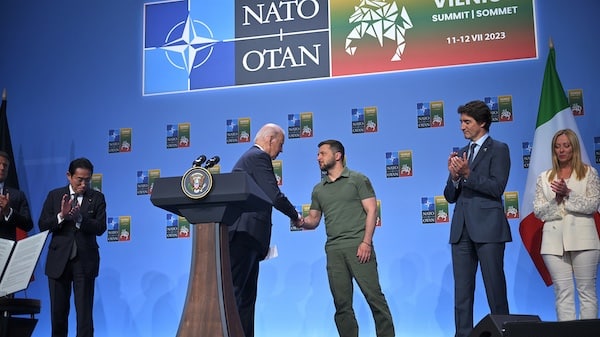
x=199, y=161
x=212, y=162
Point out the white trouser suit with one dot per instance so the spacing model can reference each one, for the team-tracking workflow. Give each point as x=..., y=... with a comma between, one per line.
x=570, y=244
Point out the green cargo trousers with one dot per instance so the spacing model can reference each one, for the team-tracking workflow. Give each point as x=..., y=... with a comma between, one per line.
x=342, y=267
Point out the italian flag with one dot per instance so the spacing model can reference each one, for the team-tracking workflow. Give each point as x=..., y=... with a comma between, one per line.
x=554, y=114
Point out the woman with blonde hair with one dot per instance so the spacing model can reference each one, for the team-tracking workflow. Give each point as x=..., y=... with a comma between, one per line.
x=566, y=198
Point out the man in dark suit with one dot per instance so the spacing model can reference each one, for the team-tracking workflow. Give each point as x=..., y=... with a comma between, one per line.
x=14, y=209
x=75, y=215
x=479, y=230
x=250, y=235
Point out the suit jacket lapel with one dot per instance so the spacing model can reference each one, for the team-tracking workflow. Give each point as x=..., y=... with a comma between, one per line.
x=482, y=152
x=85, y=202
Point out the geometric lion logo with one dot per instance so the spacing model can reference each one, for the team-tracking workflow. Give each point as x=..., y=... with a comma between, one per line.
x=378, y=19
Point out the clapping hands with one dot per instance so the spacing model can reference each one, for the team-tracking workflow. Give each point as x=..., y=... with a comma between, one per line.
x=561, y=189
x=458, y=166
x=4, y=204
x=70, y=209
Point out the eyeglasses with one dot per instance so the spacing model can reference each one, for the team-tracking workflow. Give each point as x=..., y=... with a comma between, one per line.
x=80, y=180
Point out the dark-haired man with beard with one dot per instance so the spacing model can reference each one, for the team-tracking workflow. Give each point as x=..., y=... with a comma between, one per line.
x=347, y=200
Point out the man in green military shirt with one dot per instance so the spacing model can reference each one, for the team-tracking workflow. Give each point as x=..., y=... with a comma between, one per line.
x=347, y=200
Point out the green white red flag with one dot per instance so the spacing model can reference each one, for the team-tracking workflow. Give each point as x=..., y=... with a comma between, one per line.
x=554, y=114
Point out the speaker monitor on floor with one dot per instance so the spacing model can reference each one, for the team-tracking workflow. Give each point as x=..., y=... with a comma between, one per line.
x=532, y=326
x=578, y=328
x=494, y=325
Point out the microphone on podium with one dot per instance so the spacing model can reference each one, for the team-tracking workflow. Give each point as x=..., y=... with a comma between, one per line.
x=212, y=162
x=199, y=161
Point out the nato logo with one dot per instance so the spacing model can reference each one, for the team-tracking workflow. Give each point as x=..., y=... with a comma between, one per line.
x=114, y=135
x=427, y=204
x=112, y=223
x=293, y=121
x=391, y=159
x=142, y=177
x=201, y=44
x=186, y=46
x=358, y=115
x=423, y=109
x=172, y=130
x=232, y=125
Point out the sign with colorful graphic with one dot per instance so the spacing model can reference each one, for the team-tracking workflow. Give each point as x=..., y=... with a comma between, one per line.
x=441, y=209
x=145, y=181
x=392, y=168
x=118, y=228
x=178, y=135
x=96, y=183
x=199, y=44
x=505, y=110
x=177, y=227
x=380, y=36
x=406, y=165
x=527, y=147
x=576, y=101
x=500, y=107
x=300, y=125
x=278, y=171
x=430, y=114
x=238, y=131
x=511, y=205
x=398, y=164
x=427, y=210
x=434, y=210
x=364, y=120
x=119, y=140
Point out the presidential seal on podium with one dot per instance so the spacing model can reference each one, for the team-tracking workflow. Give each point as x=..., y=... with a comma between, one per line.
x=196, y=182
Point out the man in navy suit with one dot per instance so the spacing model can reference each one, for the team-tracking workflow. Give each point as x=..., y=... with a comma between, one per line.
x=250, y=235
x=14, y=209
x=479, y=230
x=75, y=215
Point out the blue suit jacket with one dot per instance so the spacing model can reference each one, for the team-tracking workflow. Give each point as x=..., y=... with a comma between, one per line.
x=257, y=225
x=479, y=198
x=93, y=211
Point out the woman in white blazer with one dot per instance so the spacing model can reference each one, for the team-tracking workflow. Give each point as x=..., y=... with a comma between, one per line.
x=566, y=197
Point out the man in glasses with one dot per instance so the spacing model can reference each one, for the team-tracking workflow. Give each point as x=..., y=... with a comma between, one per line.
x=75, y=215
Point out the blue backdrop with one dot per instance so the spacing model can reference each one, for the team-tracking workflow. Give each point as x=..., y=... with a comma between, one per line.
x=73, y=71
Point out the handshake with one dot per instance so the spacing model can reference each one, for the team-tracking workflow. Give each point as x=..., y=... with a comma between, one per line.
x=298, y=222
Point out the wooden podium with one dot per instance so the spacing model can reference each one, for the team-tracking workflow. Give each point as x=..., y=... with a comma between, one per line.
x=210, y=308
